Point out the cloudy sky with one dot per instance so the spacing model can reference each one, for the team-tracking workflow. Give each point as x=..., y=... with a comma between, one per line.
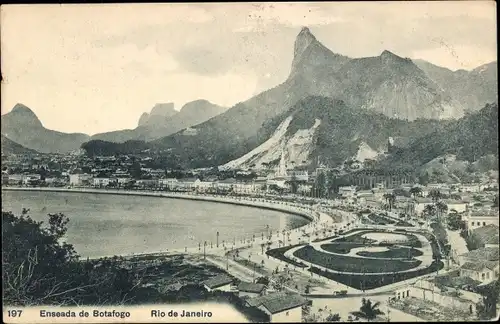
x=96, y=68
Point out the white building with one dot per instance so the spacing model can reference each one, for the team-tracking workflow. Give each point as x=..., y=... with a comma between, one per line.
x=420, y=204
x=170, y=183
x=458, y=205
x=469, y=188
x=79, y=179
x=348, y=191
x=476, y=219
x=484, y=271
x=280, y=306
x=221, y=282
x=101, y=182
x=27, y=179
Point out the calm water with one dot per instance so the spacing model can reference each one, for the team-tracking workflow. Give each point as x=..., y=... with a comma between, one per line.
x=102, y=224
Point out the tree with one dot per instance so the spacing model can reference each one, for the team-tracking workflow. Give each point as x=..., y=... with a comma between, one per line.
x=333, y=318
x=455, y=221
x=441, y=208
x=416, y=191
x=368, y=310
x=435, y=195
x=429, y=211
x=390, y=198
x=321, y=184
x=263, y=280
x=486, y=309
x=37, y=269
x=294, y=184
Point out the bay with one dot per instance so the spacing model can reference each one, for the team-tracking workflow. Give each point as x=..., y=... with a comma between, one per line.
x=106, y=225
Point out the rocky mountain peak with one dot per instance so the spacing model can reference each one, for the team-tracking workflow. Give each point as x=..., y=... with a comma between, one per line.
x=302, y=41
x=24, y=114
x=143, y=119
x=163, y=109
x=389, y=57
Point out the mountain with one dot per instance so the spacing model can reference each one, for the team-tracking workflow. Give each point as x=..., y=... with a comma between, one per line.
x=159, y=113
x=469, y=139
x=473, y=89
x=386, y=84
x=163, y=121
x=325, y=129
x=10, y=147
x=396, y=87
x=22, y=126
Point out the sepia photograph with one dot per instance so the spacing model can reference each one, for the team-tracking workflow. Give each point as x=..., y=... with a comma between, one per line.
x=250, y=162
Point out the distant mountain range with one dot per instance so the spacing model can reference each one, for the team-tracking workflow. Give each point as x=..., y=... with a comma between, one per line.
x=473, y=89
x=366, y=89
x=331, y=108
x=10, y=147
x=163, y=121
x=22, y=126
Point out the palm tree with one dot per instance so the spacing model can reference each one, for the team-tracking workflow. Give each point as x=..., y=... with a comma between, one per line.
x=429, y=211
x=441, y=208
x=368, y=310
x=435, y=195
x=416, y=191
x=390, y=198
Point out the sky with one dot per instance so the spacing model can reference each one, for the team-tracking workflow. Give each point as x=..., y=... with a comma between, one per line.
x=94, y=68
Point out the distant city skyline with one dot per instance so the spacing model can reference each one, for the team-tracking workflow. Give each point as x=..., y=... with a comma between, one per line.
x=97, y=68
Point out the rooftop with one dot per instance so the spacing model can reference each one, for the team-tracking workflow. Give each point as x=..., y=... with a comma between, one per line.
x=483, y=254
x=218, y=281
x=488, y=234
x=251, y=287
x=480, y=265
x=278, y=302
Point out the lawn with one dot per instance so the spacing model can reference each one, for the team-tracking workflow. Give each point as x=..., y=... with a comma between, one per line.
x=279, y=254
x=380, y=220
x=341, y=248
x=352, y=264
x=393, y=252
x=367, y=282
x=413, y=240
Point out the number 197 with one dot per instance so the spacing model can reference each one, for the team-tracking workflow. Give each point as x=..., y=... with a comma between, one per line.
x=14, y=313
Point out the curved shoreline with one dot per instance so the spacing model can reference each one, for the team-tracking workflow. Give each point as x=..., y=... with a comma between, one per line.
x=265, y=204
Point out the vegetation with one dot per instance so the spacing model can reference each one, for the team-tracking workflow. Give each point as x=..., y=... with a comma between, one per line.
x=39, y=269
x=368, y=281
x=487, y=308
x=368, y=310
x=352, y=264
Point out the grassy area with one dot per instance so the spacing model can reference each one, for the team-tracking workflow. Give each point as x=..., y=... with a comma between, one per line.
x=352, y=264
x=393, y=252
x=279, y=254
x=341, y=248
x=367, y=282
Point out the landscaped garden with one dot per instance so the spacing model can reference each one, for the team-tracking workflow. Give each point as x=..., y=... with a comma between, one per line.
x=279, y=254
x=381, y=245
x=393, y=252
x=353, y=264
x=366, y=282
x=341, y=247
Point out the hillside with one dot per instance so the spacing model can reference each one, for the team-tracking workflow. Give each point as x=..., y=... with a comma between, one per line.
x=396, y=87
x=22, y=126
x=163, y=121
x=386, y=85
x=469, y=138
x=342, y=132
x=10, y=147
x=473, y=89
